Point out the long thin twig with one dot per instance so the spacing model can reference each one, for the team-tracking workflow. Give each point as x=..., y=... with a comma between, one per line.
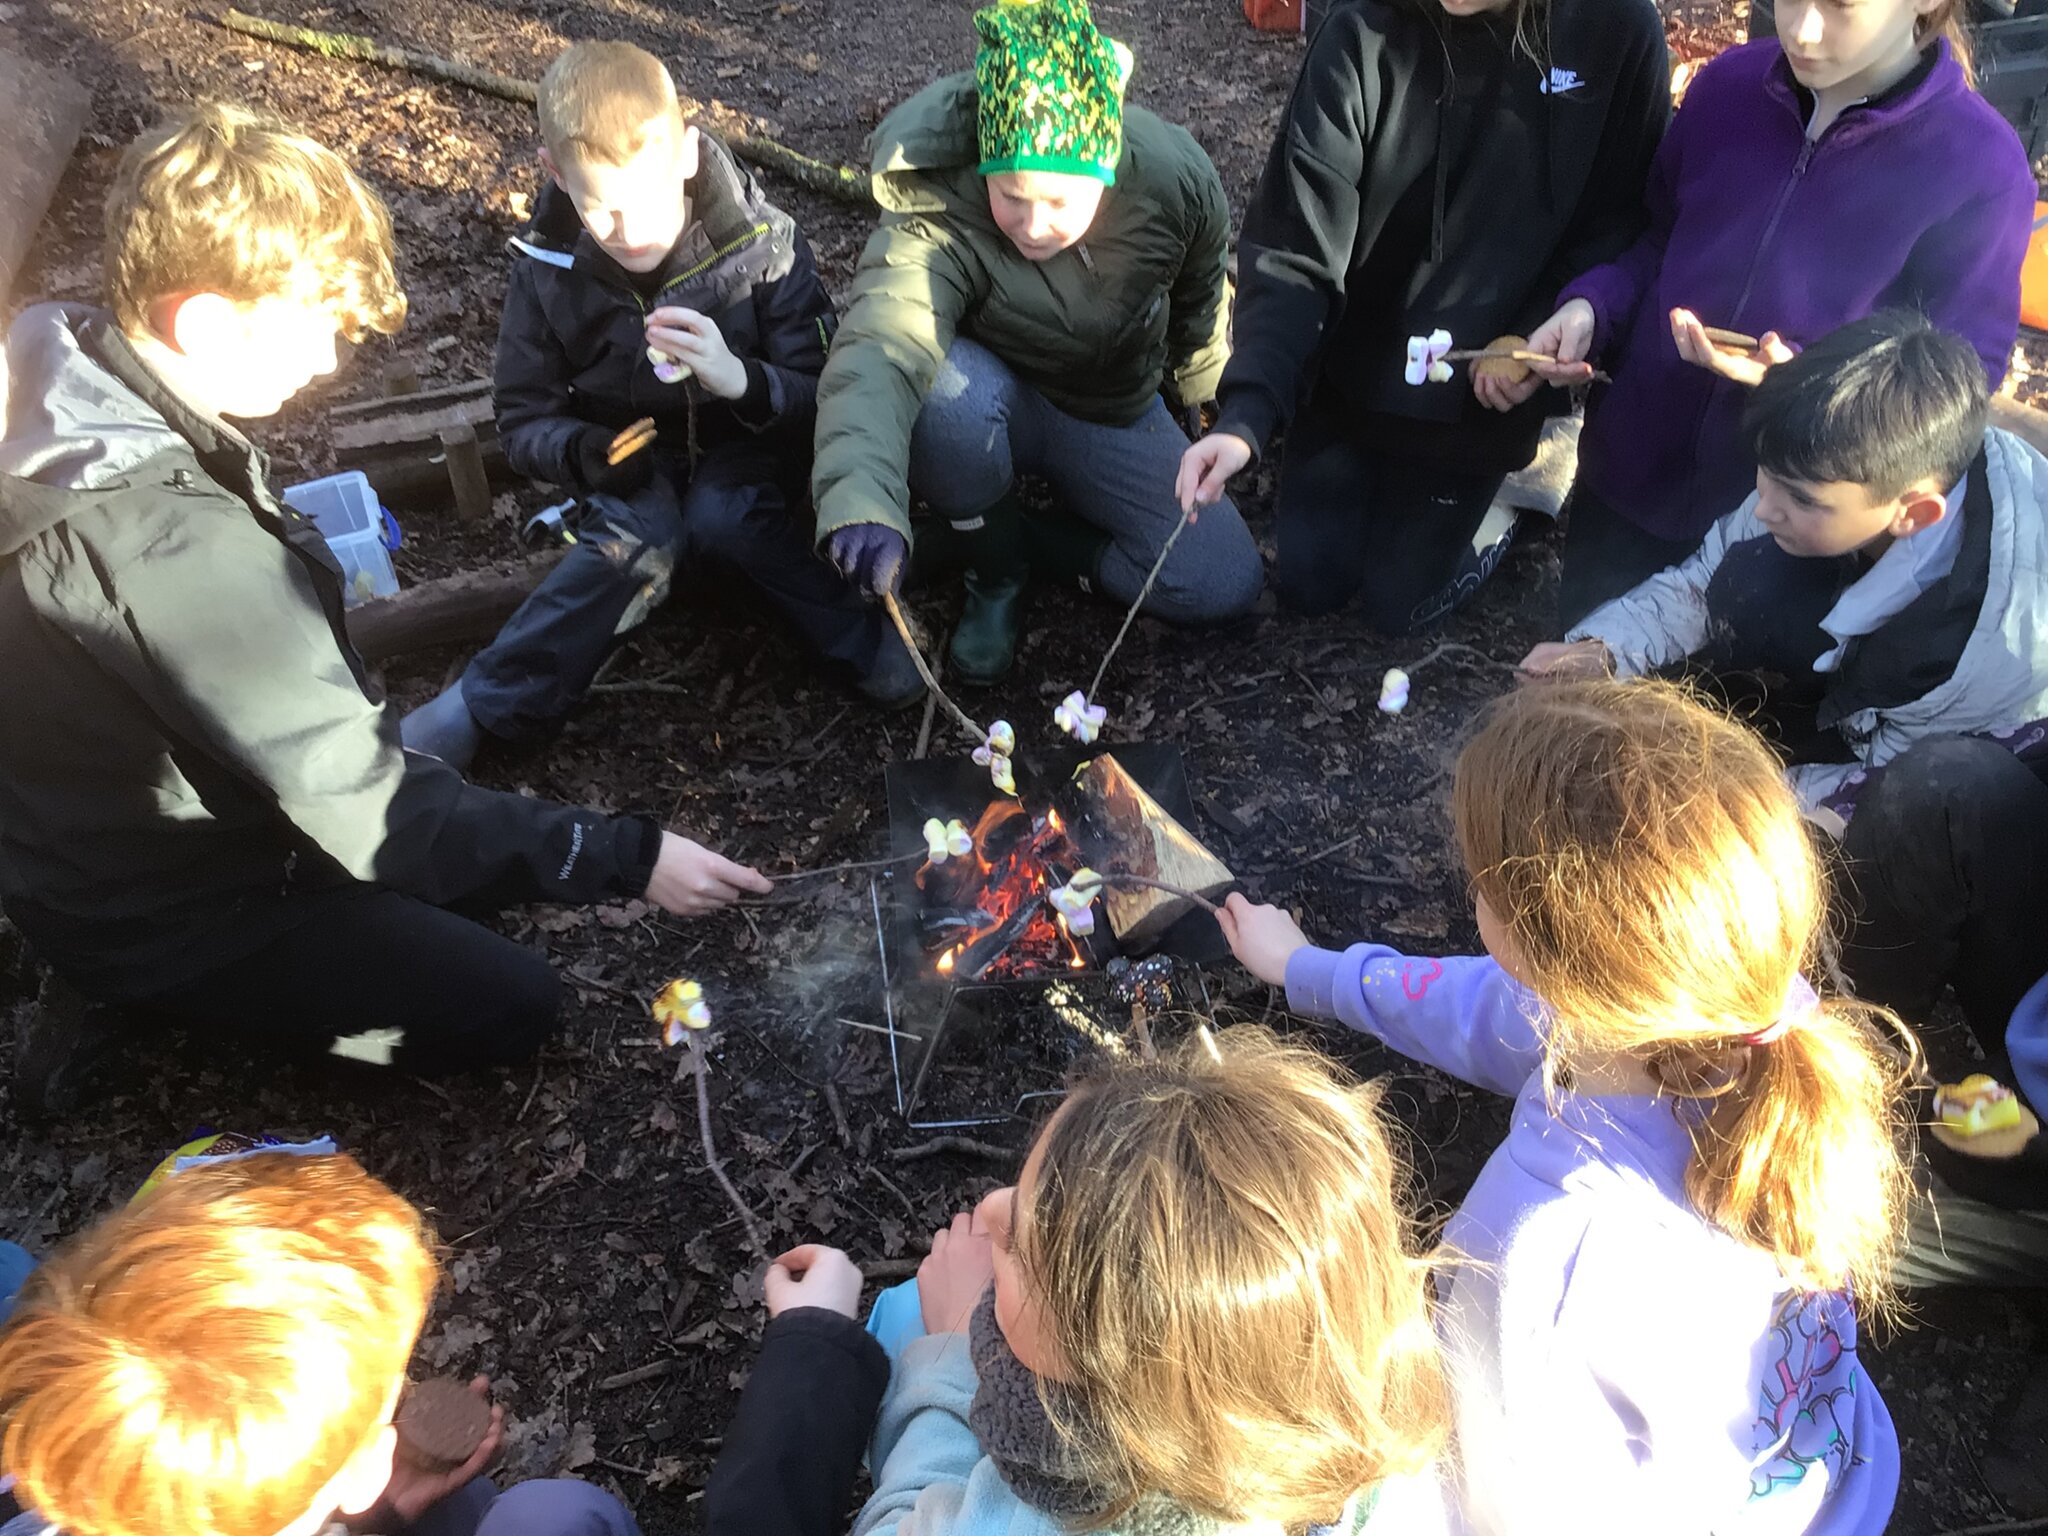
x=1458, y=648
x=895, y=611
x=701, y=1067
x=842, y=182
x=938, y=1146
x=1119, y=877
x=2001, y=1528
x=840, y=869
x=1143, y=592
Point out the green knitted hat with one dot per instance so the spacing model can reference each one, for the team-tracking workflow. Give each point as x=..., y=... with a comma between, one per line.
x=1051, y=90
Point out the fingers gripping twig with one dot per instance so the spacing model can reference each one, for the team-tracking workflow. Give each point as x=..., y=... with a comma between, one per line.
x=895, y=612
x=1144, y=592
x=701, y=1068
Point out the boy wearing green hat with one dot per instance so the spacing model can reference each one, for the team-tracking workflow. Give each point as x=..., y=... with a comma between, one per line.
x=1050, y=258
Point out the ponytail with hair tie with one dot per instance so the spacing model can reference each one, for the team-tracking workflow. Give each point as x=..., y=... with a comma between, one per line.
x=1802, y=1003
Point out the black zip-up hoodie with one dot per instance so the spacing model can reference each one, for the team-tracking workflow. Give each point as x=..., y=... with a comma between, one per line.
x=572, y=345
x=1430, y=173
x=187, y=737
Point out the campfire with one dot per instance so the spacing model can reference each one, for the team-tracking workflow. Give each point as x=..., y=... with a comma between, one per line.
x=975, y=949
x=986, y=916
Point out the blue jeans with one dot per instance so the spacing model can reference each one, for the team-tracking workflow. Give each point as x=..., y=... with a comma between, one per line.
x=557, y=1506
x=980, y=427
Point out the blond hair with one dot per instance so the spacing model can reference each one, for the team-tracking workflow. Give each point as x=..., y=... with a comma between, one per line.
x=219, y=199
x=1664, y=898
x=1216, y=1240
x=605, y=102
x=207, y=1360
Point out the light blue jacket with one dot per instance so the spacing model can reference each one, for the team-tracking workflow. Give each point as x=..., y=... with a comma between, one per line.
x=931, y=1478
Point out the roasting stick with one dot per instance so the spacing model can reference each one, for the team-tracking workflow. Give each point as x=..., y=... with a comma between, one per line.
x=700, y=1067
x=1514, y=354
x=1144, y=592
x=840, y=869
x=1119, y=877
x=924, y=671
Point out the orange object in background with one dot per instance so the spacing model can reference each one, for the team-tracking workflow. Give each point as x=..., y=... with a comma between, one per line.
x=2033, y=271
x=1276, y=15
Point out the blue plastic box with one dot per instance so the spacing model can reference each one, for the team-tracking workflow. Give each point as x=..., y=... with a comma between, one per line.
x=357, y=528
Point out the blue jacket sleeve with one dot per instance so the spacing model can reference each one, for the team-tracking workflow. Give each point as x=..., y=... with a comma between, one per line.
x=1462, y=1014
x=931, y=1478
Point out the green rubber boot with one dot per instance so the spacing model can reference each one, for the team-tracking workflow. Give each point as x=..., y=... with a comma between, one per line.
x=985, y=644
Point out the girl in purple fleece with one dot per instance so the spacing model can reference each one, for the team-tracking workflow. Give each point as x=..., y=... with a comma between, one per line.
x=1648, y=1315
x=1804, y=184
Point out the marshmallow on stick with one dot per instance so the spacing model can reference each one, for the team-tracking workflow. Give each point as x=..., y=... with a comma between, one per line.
x=668, y=369
x=1426, y=363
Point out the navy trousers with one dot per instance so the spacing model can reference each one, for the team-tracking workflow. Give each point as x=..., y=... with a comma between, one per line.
x=745, y=509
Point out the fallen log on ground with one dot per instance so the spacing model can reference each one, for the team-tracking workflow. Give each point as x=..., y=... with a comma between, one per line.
x=745, y=139
x=45, y=115
x=450, y=610
x=2022, y=421
x=401, y=443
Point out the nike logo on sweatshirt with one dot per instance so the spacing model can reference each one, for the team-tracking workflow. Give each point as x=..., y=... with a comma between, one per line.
x=1560, y=81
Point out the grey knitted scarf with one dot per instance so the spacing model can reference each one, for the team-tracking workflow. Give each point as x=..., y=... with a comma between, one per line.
x=1042, y=1466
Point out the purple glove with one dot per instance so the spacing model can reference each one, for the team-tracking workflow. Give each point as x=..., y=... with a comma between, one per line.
x=870, y=555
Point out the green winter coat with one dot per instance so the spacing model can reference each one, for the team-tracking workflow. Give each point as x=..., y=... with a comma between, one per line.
x=1141, y=300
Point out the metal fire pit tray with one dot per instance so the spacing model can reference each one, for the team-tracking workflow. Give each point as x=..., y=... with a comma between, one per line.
x=1030, y=1030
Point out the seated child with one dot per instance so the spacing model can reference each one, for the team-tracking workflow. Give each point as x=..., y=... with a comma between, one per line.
x=650, y=239
x=789, y=1459
x=223, y=1358
x=205, y=807
x=1198, y=1311
x=1882, y=599
x=1648, y=1313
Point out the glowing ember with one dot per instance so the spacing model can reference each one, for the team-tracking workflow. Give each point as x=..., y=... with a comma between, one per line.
x=987, y=913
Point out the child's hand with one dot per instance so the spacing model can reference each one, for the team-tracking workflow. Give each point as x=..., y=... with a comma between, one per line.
x=411, y=1492
x=1206, y=468
x=1502, y=383
x=1568, y=337
x=1745, y=368
x=1558, y=661
x=690, y=880
x=961, y=1265
x=813, y=1275
x=1262, y=938
x=696, y=340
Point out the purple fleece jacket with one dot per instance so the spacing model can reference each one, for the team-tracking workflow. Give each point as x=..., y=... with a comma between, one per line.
x=1921, y=198
x=1619, y=1365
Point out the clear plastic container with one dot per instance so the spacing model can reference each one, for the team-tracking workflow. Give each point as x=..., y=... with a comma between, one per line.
x=357, y=528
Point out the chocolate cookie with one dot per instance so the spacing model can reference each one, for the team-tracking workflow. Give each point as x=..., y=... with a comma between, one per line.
x=440, y=1424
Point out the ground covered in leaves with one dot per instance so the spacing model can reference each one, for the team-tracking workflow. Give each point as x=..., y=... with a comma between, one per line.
x=594, y=1269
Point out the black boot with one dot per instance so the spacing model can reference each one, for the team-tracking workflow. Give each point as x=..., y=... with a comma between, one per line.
x=1064, y=549
x=443, y=727
x=985, y=645
x=59, y=1044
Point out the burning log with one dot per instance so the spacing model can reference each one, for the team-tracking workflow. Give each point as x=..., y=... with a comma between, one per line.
x=1125, y=829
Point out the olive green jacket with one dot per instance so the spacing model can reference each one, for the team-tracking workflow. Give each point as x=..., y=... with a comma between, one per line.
x=1141, y=300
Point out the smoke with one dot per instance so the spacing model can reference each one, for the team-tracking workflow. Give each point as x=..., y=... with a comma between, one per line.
x=828, y=971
